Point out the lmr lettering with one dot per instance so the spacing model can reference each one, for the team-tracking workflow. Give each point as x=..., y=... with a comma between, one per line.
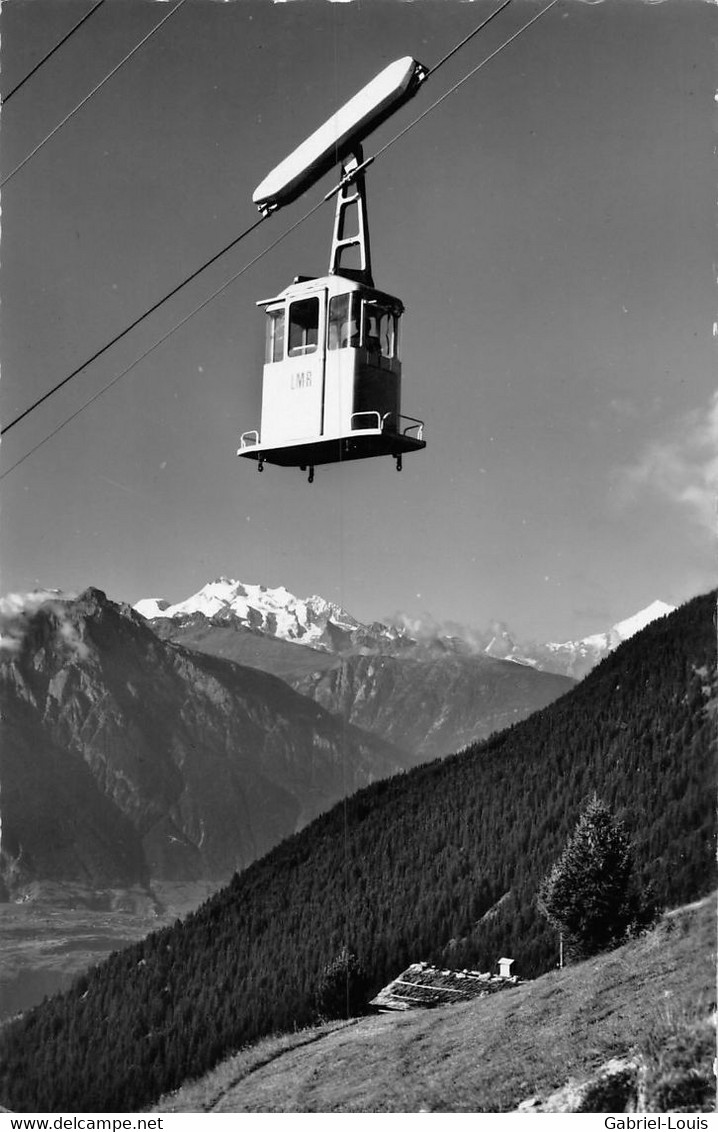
x=301, y=380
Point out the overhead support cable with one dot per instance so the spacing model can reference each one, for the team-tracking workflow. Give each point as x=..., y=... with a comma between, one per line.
x=166, y=335
x=94, y=91
x=140, y=318
x=6, y=97
x=332, y=192
x=465, y=40
x=466, y=78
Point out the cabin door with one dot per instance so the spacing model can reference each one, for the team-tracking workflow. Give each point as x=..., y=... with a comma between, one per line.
x=293, y=387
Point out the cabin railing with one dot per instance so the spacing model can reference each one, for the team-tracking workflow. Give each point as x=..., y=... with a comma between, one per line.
x=249, y=439
x=376, y=419
x=415, y=425
x=384, y=422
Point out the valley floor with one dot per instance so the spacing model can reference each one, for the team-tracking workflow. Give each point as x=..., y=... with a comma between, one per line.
x=45, y=943
x=491, y=1054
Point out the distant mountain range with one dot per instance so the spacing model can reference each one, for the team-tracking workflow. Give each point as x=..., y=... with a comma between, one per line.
x=325, y=626
x=430, y=692
x=577, y=658
x=428, y=697
x=310, y=621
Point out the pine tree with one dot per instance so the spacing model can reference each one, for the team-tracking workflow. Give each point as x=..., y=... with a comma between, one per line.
x=342, y=988
x=589, y=895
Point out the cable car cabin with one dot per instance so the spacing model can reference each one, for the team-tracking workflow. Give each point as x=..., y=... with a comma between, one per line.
x=332, y=377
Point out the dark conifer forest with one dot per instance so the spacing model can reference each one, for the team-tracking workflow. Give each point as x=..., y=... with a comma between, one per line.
x=441, y=863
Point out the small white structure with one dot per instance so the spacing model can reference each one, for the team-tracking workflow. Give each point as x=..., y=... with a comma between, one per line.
x=505, y=966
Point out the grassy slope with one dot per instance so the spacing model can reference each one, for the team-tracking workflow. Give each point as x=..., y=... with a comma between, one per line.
x=483, y=1056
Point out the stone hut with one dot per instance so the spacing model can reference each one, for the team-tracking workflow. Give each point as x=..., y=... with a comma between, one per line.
x=422, y=986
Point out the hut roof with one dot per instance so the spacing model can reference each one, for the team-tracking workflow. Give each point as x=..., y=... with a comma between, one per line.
x=422, y=985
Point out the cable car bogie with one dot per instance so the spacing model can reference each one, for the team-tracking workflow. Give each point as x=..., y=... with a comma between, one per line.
x=340, y=134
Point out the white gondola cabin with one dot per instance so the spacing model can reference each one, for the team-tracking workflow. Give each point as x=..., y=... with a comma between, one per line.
x=331, y=387
x=332, y=377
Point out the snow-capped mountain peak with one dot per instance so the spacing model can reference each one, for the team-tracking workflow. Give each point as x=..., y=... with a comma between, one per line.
x=150, y=607
x=274, y=611
x=622, y=630
x=321, y=624
x=578, y=657
x=625, y=629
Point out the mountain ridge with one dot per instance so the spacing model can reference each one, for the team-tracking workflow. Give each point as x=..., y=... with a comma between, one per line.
x=434, y=706
x=186, y=765
x=431, y=692
x=429, y=702
x=325, y=626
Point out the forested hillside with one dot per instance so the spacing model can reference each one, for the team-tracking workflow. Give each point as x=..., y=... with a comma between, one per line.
x=442, y=862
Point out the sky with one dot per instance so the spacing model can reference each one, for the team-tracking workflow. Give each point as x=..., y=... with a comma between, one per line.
x=549, y=227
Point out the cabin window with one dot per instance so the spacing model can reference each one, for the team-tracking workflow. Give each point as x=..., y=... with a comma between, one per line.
x=275, y=335
x=303, y=326
x=343, y=322
x=381, y=331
